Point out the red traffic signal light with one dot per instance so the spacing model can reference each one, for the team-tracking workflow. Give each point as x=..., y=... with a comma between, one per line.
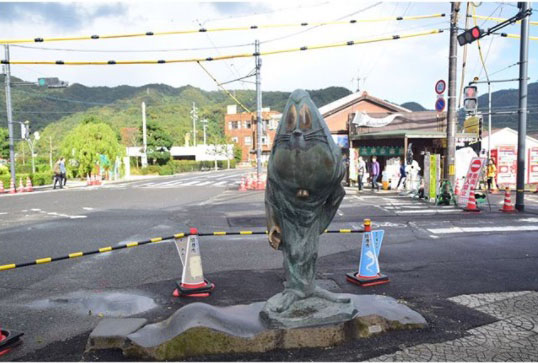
x=470, y=91
x=470, y=35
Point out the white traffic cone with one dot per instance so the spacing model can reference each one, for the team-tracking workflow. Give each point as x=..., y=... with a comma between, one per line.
x=193, y=283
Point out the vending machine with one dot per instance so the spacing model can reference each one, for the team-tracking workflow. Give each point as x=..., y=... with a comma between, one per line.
x=532, y=166
x=505, y=158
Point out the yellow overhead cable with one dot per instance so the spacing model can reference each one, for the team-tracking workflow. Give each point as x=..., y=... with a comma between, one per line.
x=480, y=49
x=224, y=89
x=499, y=20
x=231, y=56
x=204, y=30
x=516, y=36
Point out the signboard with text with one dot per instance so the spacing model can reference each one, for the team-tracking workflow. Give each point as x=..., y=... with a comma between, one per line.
x=532, y=170
x=471, y=180
x=506, y=156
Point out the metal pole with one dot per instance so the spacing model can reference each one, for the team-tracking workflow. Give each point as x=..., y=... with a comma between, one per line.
x=144, y=137
x=522, y=125
x=489, y=122
x=31, y=146
x=258, y=110
x=194, y=117
x=450, y=167
x=10, y=118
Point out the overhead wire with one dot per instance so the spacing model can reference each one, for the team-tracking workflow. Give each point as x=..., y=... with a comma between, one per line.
x=499, y=20
x=319, y=25
x=221, y=29
x=231, y=56
x=224, y=89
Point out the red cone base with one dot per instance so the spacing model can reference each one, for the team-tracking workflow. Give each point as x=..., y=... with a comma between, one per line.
x=8, y=340
x=362, y=281
x=193, y=290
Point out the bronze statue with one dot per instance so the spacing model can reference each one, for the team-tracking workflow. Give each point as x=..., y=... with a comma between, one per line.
x=303, y=193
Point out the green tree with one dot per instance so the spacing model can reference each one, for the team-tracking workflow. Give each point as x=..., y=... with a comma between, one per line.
x=4, y=143
x=159, y=143
x=83, y=145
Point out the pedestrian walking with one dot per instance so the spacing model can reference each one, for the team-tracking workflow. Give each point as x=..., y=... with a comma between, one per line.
x=57, y=174
x=63, y=172
x=374, y=173
x=403, y=176
x=492, y=173
x=361, y=170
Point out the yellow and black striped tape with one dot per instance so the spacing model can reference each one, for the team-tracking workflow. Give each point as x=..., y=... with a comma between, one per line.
x=221, y=29
x=231, y=56
x=516, y=36
x=106, y=249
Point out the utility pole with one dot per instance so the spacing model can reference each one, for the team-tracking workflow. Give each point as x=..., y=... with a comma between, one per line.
x=194, y=116
x=522, y=125
x=10, y=117
x=204, y=122
x=258, y=110
x=450, y=159
x=144, y=137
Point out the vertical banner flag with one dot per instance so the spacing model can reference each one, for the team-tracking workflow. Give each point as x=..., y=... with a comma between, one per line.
x=471, y=180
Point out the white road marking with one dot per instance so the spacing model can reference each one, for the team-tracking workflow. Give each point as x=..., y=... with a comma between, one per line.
x=78, y=217
x=2, y=213
x=35, y=210
x=203, y=183
x=340, y=213
x=192, y=182
x=482, y=229
x=222, y=183
x=426, y=211
x=87, y=208
x=532, y=220
x=434, y=236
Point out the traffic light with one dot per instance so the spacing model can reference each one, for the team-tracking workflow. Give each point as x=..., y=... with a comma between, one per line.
x=470, y=101
x=470, y=35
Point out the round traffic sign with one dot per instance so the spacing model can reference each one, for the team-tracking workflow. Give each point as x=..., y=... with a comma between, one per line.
x=440, y=87
x=475, y=165
x=440, y=104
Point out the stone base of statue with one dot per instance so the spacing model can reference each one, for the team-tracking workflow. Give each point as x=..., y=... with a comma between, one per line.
x=200, y=329
x=309, y=312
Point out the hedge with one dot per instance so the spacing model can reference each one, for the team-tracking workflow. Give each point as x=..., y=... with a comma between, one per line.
x=181, y=166
x=37, y=179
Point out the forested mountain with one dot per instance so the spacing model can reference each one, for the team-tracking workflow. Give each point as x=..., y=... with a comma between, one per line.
x=508, y=100
x=56, y=111
x=413, y=106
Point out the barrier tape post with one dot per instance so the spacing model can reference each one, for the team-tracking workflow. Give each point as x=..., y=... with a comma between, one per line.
x=369, y=273
x=193, y=283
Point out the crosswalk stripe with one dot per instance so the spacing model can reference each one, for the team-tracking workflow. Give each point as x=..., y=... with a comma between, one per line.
x=482, y=229
x=203, y=183
x=426, y=211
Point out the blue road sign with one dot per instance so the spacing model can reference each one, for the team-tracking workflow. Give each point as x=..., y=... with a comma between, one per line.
x=440, y=104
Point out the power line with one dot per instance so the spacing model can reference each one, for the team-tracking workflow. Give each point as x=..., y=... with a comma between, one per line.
x=499, y=20
x=132, y=50
x=224, y=89
x=244, y=55
x=222, y=29
x=319, y=25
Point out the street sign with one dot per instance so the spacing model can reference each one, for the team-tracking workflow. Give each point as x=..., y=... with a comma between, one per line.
x=440, y=87
x=440, y=104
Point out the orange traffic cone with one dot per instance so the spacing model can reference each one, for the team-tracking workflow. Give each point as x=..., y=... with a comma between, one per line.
x=508, y=207
x=12, y=187
x=457, y=188
x=21, y=187
x=29, y=186
x=8, y=340
x=471, y=204
x=2, y=187
x=242, y=186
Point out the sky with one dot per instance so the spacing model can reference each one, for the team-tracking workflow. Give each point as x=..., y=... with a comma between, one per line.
x=398, y=70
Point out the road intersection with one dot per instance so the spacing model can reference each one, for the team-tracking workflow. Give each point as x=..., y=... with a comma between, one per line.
x=432, y=254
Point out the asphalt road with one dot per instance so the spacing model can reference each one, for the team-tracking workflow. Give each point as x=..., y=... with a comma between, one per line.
x=430, y=254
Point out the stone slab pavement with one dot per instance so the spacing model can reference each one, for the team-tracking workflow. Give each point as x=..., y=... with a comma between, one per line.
x=514, y=337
